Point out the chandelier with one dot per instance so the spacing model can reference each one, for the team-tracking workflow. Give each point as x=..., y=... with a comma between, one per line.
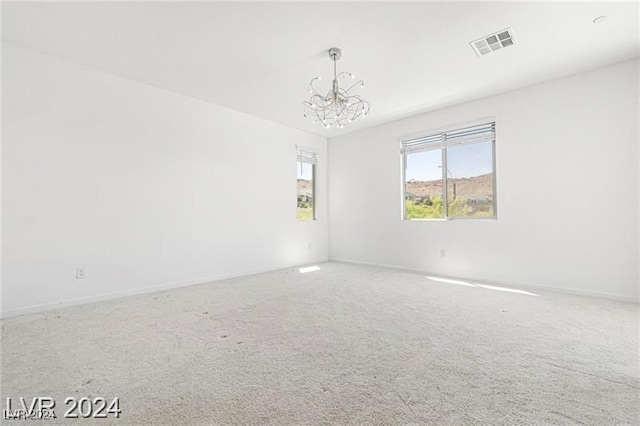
x=339, y=107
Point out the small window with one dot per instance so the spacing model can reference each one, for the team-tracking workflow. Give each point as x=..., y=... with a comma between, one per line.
x=305, y=196
x=450, y=175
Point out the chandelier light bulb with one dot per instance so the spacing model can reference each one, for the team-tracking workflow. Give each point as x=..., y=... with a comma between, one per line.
x=337, y=106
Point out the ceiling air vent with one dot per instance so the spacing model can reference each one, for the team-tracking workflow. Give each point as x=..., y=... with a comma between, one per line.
x=493, y=42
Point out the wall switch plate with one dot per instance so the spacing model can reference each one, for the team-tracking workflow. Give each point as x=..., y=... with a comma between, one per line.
x=443, y=252
x=81, y=272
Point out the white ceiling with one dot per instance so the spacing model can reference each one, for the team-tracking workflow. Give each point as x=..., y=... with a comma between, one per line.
x=259, y=57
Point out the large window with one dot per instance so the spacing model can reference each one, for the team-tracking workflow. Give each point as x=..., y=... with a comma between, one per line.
x=450, y=175
x=305, y=197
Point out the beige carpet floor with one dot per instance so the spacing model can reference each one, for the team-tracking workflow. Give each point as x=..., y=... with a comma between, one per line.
x=346, y=344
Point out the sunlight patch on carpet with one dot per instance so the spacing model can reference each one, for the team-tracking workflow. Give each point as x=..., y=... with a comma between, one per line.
x=478, y=285
x=309, y=269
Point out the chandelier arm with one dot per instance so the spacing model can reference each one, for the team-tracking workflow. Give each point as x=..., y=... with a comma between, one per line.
x=317, y=101
x=361, y=107
x=359, y=82
x=355, y=99
x=355, y=113
x=365, y=108
x=312, y=89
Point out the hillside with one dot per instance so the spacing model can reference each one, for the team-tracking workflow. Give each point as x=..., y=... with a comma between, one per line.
x=304, y=187
x=475, y=187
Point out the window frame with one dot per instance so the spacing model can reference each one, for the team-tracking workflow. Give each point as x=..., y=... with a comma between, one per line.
x=307, y=156
x=443, y=145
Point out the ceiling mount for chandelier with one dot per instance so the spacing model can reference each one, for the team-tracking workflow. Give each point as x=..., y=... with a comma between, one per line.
x=338, y=107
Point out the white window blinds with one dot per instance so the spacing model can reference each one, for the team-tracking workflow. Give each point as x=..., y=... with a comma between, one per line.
x=306, y=155
x=479, y=133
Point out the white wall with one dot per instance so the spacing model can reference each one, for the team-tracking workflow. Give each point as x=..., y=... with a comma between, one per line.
x=141, y=186
x=567, y=191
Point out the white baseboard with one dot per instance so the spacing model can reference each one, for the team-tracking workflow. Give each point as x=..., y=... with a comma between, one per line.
x=177, y=284
x=515, y=285
x=133, y=292
x=115, y=295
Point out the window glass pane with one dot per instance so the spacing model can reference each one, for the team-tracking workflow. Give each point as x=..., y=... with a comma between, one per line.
x=423, y=185
x=470, y=180
x=305, y=208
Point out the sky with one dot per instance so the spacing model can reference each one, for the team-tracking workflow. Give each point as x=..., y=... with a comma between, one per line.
x=305, y=171
x=463, y=161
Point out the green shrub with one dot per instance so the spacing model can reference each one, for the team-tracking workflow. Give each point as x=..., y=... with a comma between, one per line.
x=431, y=208
x=305, y=213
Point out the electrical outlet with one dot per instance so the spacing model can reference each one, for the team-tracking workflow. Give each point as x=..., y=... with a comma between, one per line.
x=81, y=272
x=309, y=245
x=443, y=253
